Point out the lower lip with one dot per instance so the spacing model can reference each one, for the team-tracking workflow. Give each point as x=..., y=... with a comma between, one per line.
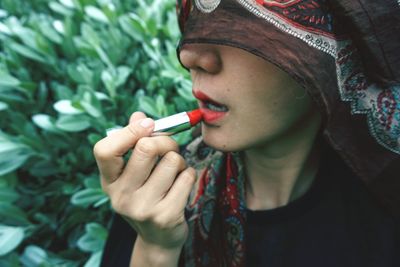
x=210, y=116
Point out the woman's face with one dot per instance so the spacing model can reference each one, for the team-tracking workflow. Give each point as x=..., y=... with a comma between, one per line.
x=247, y=102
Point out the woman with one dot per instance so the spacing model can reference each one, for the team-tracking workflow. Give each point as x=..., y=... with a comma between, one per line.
x=285, y=146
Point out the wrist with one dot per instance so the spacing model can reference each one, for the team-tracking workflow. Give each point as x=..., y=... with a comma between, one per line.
x=147, y=254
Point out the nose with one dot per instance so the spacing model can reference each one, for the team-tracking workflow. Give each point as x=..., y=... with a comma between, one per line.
x=201, y=58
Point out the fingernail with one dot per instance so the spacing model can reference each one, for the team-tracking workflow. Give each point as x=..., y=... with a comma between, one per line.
x=146, y=123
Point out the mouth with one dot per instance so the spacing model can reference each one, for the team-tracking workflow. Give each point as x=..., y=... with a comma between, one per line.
x=211, y=109
x=214, y=107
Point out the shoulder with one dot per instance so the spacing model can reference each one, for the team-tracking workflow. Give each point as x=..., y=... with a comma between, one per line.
x=363, y=214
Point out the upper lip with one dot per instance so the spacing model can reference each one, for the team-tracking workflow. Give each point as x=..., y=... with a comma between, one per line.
x=205, y=98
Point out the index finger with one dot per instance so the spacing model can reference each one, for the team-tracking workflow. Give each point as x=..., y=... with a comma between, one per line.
x=109, y=151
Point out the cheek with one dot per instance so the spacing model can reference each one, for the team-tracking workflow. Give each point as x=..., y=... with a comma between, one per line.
x=271, y=118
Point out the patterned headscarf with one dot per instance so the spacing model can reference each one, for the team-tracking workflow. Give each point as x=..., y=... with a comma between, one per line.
x=345, y=53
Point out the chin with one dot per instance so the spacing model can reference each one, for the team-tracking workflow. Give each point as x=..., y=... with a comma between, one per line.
x=223, y=143
x=228, y=142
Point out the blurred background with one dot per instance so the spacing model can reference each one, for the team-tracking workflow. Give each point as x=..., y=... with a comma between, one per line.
x=69, y=70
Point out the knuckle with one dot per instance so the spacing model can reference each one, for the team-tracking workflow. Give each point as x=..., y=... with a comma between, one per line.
x=145, y=147
x=140, y=214
x=117, y=205
x=137, y=213
x=100, y=150
x=168, y=143
x=133, y=130
x=173, y=159
x=189, y=175
x=174, y=145
x=163, y=222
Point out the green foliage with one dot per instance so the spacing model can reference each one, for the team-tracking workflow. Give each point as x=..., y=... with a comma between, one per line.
x=69, y=70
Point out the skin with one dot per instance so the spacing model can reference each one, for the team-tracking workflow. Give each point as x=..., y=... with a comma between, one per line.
x=270, y=119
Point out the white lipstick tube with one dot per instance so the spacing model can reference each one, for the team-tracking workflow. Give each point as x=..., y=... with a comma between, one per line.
x=172, y=124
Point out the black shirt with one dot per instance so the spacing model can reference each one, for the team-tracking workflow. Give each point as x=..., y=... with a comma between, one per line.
x=337, y=223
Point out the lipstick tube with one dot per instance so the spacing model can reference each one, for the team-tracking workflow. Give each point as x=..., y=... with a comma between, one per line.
x=177, y=123
x=173, y=124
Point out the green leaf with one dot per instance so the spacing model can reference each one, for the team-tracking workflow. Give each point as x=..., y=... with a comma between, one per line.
x=134, y=26
x=185, y=90
x=11, y=164
x=5, y=29
x=13, y=214
x=183, y=137
x=60, y=9
x=34, y=256
x=45, y=122
x=27, y=52
x=94, y=260
x=8, y=80
x=8, y=195
x=94, y=238
x=152, y=53
x=109, y=82
x=160, y=105
x=90, y=35
x=101, y=202
x=3, y=13
x=73, y=123
x=12, y=155
x=92, y=182
x=27, y=35
x=68, y=3
x=94, y=138
x=96, y=14
x=149, y=106
x=80, y=73
x=123, y=73
x=59, y=26
x=10, y=238
x=91, y=104
x=87, y=197
x=101, y=96
x=65, y=107
x=3, y=106
x=48, y=31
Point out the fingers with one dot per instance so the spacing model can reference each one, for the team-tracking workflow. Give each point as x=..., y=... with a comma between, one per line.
x=136, y=116
x=178, y=194
x=143, y=160
x=109, y=151
x=163, y=176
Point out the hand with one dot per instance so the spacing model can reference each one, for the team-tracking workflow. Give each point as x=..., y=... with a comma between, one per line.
x=151, y=189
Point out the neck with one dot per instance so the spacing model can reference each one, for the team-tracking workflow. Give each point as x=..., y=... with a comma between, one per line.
x=282, y=171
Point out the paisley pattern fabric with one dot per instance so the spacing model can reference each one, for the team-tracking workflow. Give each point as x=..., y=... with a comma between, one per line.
x=312, y=21
x=183, y=8
x=216, y=213
x=382, y=105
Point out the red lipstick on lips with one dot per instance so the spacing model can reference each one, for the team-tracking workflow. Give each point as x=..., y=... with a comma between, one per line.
x=211, y=109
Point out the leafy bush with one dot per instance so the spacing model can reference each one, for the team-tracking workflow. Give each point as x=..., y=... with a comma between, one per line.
x=70, y=69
